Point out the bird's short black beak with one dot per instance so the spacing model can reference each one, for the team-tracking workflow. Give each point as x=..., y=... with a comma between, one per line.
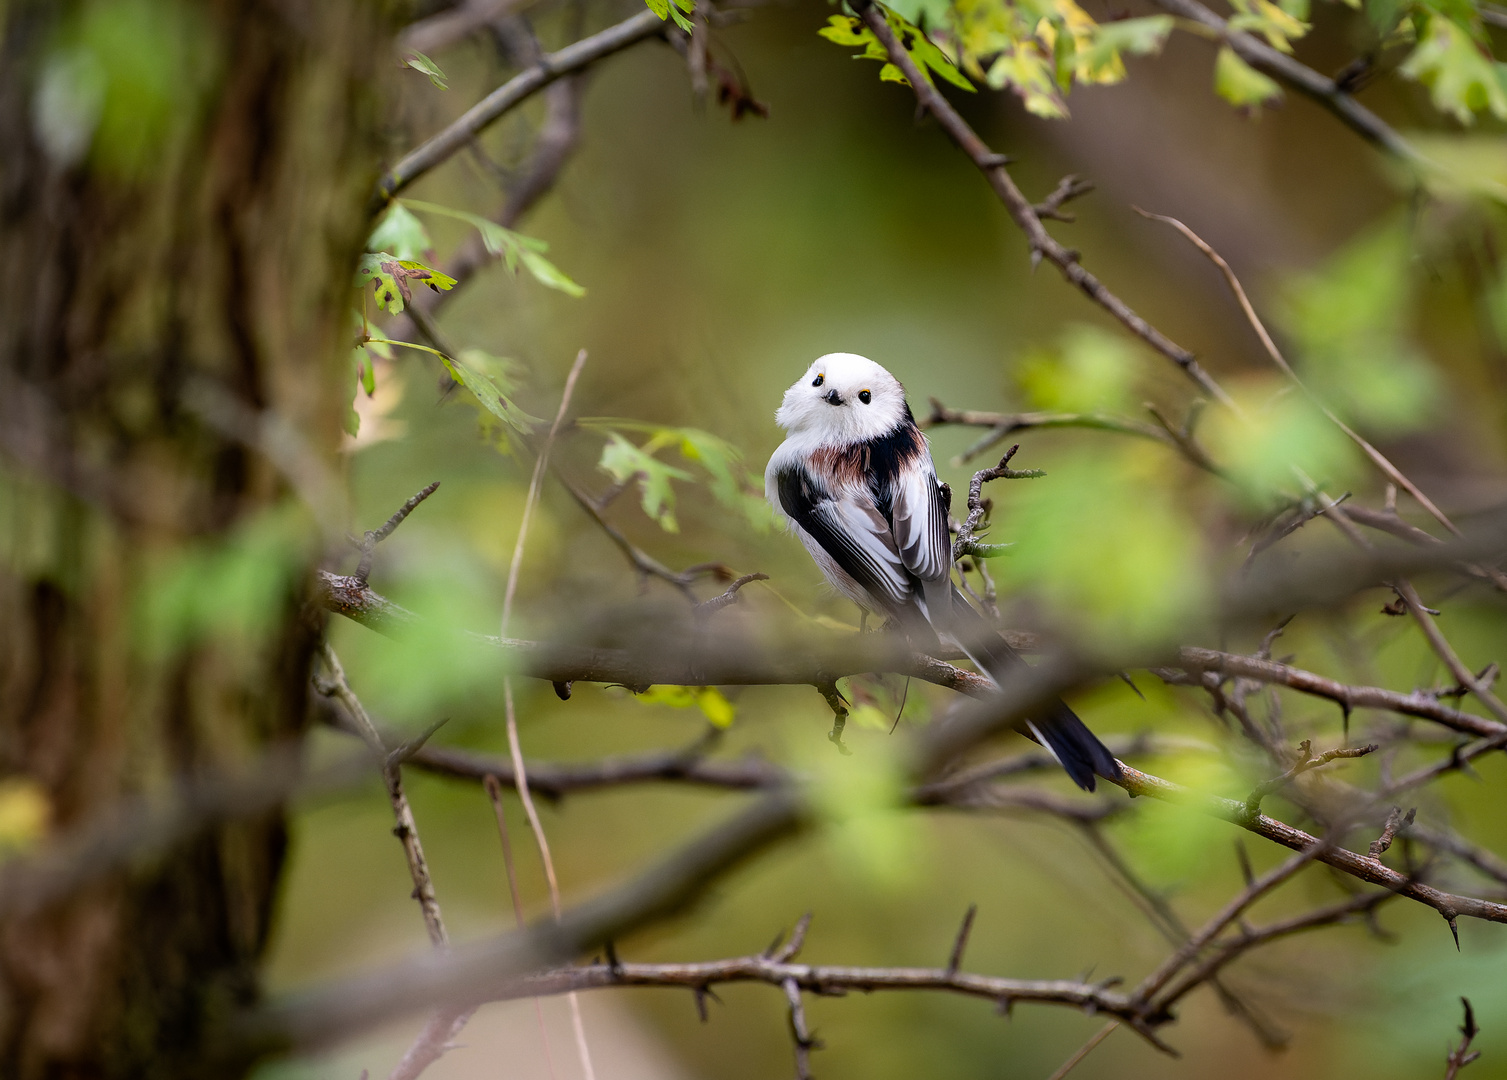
x=832, y=397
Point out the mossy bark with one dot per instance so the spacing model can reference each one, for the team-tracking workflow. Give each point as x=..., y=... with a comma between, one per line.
x=201, y=242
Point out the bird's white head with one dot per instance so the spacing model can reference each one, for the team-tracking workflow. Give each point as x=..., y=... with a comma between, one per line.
x=843, y=398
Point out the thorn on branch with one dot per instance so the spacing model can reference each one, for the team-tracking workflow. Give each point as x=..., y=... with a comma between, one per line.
x=614, y=965
x=701, y=994
x=797, y=940
x=955, y=958
x=1246, y=873
x=1068, y=189
x=1396, y=822
x=372, y=539
x=993, y=161
x=405, y=751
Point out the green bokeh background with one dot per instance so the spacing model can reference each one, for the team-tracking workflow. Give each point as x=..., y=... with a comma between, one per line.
x=719, y=260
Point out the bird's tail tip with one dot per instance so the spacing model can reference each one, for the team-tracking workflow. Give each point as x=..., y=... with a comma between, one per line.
x=1076, y=748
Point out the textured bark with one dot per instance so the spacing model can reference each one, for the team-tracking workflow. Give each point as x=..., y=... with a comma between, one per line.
x=222, y=254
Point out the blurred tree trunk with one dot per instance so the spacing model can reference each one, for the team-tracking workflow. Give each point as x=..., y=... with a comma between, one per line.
x=182, y=196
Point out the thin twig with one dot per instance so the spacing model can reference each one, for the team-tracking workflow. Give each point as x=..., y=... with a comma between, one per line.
x=1068, y=188
x=335, y=685
x=1440, y=644
x=372, y=539
x=1020, y=208
x=476, y=119
x=1307, y=761
x=1380, y=460
x=1396, y=821
x=493, y=786
x=1462, y=1055
x=515, y=748
x=1083, y=1051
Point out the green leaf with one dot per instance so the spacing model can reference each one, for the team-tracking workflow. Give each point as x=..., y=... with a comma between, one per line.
x=487, y=378
x=849, y=31
x=711, y=701
x=401, y=233
x=1458, y=166
x=679, y=10
x=1242, y=85
x=392, y=279
x=547, y=273
x=625, y=462
x=1028, y=71
x=513, y=248
x=842, y=29
x=1274, y=23
x=1139, y=37
x=731, y=484
x=1461, y=76
x=419, y=62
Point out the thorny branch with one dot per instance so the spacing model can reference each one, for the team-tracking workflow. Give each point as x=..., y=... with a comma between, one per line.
x=1022, y=211
x=333, y=684
x=966, y=544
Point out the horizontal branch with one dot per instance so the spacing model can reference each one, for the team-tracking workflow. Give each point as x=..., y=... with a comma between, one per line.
x=557, y=779
x=489, y=109
x=701, y=660
x=830, y=980
x=1348, y=697
x=1002, y=425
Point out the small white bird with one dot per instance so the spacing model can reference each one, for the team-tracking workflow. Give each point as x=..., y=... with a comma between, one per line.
x=855, y=481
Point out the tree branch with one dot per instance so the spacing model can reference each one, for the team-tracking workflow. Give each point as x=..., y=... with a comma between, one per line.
x=1023, y=213
x=489, y=109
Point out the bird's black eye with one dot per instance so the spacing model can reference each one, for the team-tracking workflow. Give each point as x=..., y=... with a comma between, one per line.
x=819, y=380
x=865, y=397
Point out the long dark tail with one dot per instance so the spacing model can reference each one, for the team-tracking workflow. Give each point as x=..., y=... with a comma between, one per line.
x=1057, y=727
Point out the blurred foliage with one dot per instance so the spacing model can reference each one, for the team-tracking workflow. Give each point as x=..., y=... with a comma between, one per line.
x=720, y=260
x=25, y=814
x=1041, y=49
x=713, y=704
x=1092, y=371
x=1350, y=321
x=121, y=78
x=254, y=571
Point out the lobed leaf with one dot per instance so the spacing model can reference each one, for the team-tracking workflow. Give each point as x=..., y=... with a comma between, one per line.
x=625, y=462
x=1242, y=85
x=1461, y=75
